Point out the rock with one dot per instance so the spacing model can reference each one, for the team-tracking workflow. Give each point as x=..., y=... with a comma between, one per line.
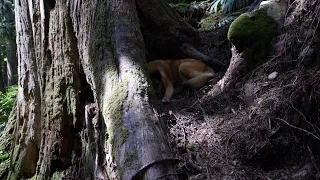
x=276, y=10
x=253, y=34
x=248, y=90
x=273, y=75
x=258, y=26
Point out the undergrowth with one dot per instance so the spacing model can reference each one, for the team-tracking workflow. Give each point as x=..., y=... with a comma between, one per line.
x=7, y=100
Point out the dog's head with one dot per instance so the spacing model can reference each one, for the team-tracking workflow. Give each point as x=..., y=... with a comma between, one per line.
x=157, y=82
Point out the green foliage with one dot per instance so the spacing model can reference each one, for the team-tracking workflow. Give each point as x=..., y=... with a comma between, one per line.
x=7, y=100
x=228, y=6
x=3, y=155
x=4, y=161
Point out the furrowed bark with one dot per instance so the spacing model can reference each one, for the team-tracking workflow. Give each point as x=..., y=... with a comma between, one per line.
x=27, y=128
x=48, y=85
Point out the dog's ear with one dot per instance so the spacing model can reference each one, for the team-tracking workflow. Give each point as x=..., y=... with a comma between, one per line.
x=156, y=74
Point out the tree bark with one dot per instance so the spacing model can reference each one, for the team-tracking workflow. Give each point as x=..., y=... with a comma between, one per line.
x=83, y=108
x=12, y=63
x=237, y=67
x=134, y=139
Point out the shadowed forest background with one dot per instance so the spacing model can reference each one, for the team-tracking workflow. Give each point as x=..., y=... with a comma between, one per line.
x=77, y=102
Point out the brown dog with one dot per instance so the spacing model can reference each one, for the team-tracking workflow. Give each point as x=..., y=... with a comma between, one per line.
x=165, y=74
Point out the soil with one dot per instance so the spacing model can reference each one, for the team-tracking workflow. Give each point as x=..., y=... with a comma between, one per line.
x=272, y=132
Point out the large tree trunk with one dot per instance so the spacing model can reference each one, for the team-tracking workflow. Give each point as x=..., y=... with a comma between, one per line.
x=12, y=63
x=83, y=107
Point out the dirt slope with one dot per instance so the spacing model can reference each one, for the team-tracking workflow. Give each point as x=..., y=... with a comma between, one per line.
x=272, y=133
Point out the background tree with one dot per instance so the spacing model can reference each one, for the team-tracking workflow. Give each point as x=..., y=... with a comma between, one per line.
x=7, y=42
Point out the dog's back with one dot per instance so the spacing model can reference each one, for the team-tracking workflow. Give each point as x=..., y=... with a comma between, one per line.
x=166, y=73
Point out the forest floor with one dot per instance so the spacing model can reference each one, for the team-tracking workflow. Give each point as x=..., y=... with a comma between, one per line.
x=273, y=134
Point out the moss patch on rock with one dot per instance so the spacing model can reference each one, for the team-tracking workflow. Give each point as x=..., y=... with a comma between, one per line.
x=252, y=34
x=216, y=20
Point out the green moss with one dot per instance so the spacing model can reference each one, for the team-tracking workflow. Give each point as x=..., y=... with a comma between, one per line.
x=259, y=26
x=190, y=146
x=130, y=158
x=56, y=176
x=114, y=112
x=216, y=20
x=124, y=134
x=210, y=22
x=253, y=34
x=35, y=177
x=115, y=95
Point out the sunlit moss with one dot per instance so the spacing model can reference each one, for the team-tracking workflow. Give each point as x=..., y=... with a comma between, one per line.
x=253, y=34
x=56, y=176
x=115, y=95
x=259, y=26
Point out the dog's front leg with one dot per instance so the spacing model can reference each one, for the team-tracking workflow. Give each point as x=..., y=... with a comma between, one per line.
x=169, y=91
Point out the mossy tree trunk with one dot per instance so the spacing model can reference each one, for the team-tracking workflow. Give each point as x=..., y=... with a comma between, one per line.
x=83, y=108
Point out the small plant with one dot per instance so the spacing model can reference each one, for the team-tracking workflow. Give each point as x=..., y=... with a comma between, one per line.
x=3, y=156
x=191, y=146
x=7, y=100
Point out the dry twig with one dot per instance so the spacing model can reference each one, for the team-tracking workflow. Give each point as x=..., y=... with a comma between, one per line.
x=295, y=127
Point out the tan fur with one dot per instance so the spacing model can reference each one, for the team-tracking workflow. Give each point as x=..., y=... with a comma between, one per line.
x=172, y=72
